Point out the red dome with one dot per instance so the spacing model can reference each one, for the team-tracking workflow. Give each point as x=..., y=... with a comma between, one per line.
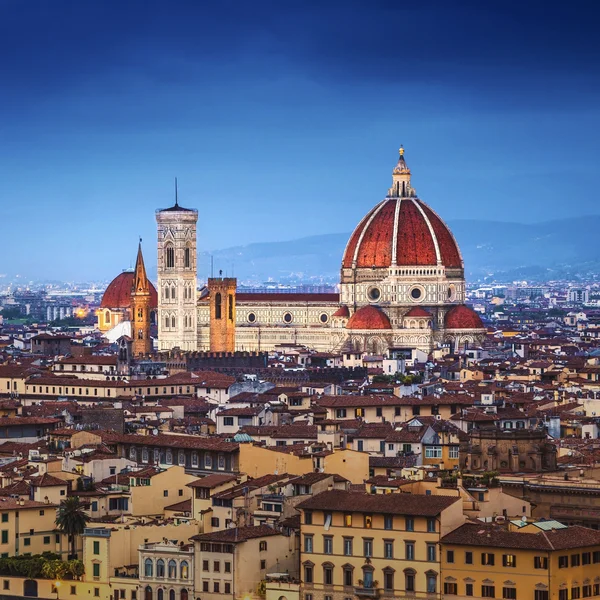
x=407, y=228
x=369, y=317
x=462, y=317
x=118, y=292
x=342, y=311
x=417, y=311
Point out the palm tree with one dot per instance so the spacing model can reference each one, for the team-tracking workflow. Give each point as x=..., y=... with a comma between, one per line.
x=71, y=519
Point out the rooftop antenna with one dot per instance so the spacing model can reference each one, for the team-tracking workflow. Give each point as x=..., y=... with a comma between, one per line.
x=176, y=199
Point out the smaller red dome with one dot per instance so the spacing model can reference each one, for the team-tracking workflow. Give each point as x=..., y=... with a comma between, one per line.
x=462, y=317
x=342, y=311
x=118, y=292
x=369, y=317
x=417, y=311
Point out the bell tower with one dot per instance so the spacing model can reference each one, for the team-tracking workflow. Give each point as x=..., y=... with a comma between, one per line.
x=140, y=308
x=177, y=275
x=222, y=292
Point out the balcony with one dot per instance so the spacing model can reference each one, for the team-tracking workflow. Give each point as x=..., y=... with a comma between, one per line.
x=366, y=592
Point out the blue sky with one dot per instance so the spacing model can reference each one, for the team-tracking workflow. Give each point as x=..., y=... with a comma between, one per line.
x=282, y=119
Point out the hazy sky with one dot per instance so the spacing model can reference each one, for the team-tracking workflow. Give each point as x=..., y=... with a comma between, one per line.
x=282, y=119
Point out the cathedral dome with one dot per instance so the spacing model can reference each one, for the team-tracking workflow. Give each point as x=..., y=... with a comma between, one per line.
x=118, y=292
x=462, y=317
x=401, y=231
x=369, y=317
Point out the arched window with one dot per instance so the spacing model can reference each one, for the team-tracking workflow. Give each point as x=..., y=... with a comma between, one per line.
x=173, y=322
x=173, y=293
x=218, y=305
x=107, y=317
x=148, y=570
x=160, y=594
x=172, y=595
x=187, y=256
x=184, y=594
x=132, y=453
x=184, y=569
x=140, y=313
x=181, y=458
x=148, y=593
x=262, y=546
x=167, y=322
x=172, y=569
x=431, y=582
x=160, y=568
x=409, y=580
x=170, y=254
x=144, y=454
x=169, y=457
x=140, y=334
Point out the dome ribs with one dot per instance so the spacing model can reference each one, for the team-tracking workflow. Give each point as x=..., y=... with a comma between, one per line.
x=448, y=248
x=415, y=245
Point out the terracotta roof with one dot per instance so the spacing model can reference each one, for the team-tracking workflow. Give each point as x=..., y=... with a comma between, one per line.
x=212, y=481
x=342, y=311
x=397, y=504
x=475, y=534
x=183, y=506
x=237, y=535
x=89, y=360
x=462, y=317
x=421, y=237
x=279, y=298
x=369, y=317
x=19, y=421
x=118, y=292
x=46, y=480
x=15, y=504
x=170, y=441
x=245, y=411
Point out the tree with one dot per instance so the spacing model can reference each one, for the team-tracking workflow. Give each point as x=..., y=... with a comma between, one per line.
x=71, y=519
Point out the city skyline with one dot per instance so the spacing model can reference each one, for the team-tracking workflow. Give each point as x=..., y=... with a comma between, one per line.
x=283, y=123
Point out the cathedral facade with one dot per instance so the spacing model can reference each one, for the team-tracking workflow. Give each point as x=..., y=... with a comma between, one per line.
x=401, y=286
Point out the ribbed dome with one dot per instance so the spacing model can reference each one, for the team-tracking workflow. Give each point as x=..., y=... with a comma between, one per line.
x=342, y=311
x=417, y=311
x=462, y=317
x=369, y=317
x=403, y=232
x=118, y=292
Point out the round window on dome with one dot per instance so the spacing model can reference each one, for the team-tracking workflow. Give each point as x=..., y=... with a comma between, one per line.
x=287, y=317
x=324, y=318
x=416, y=293
x=374, y=294
x=251, y=317
x=451, y=293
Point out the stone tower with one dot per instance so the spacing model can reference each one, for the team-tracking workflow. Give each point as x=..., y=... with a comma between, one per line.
x=177, y=272
x=222, y=313
x=140, y=308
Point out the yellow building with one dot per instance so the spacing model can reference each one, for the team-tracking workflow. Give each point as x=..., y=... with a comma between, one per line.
x=547, y=562
x=356, y=544
x=28, y=527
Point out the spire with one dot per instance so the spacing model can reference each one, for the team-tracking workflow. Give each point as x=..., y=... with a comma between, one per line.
x=401, y=187
x=176, y=199
x=140, y=279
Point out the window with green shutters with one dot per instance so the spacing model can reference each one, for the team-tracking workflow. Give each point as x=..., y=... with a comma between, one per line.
x=96, y=570
x=96, y=547
x=4, y=536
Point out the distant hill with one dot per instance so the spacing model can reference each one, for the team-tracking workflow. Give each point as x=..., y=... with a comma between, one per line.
x=560, y=248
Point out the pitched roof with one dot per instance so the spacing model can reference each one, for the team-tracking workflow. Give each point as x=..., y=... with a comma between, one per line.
x=237, y=535
x=395, y=504
x=212, y=481
x=475, y=534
